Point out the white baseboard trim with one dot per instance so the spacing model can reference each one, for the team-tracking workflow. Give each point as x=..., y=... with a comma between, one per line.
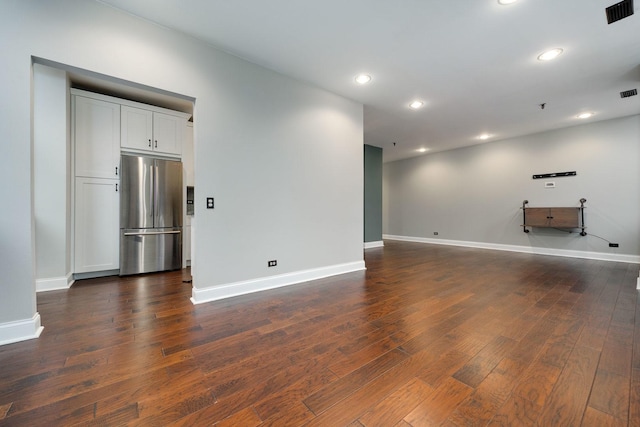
x=54, y=283
x=632, y=259
x=378, y=244
x=20, y=330
x=214, y=293
x=94, y=274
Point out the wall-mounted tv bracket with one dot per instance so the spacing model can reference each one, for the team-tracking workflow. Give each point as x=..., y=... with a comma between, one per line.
x=553, y=175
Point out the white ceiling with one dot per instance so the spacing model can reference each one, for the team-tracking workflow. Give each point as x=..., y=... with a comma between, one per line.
x=473, y=62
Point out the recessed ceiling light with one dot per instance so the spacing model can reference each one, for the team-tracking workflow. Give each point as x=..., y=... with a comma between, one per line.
x=484, y=136
x=416, y=104
x=505, y=2
x=422, y=150
x=363, y=79
x=584, y=115
x=550, y=54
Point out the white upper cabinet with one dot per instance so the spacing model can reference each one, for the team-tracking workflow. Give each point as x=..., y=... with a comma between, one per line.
x=137, y=128
x=97, y=138
x=144, y=130
x=168, y=133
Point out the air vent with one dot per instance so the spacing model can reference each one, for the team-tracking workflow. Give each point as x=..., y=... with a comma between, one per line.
x=628, y=93
x=619, y=11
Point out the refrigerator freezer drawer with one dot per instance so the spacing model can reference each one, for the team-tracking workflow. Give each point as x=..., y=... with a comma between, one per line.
x=145, y=251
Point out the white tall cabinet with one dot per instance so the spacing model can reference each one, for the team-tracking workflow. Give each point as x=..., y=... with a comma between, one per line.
x=96, y=125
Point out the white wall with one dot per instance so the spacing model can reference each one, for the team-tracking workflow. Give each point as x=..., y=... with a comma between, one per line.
x=282, y=159
x=50, y=177
x=474, y=194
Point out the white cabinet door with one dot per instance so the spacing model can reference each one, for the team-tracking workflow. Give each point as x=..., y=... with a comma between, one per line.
x=97, y=138
x=97, y=225
x=168, y=133
x=137, y=128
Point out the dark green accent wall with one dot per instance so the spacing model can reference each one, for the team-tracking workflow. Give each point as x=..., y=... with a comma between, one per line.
x=372, y=193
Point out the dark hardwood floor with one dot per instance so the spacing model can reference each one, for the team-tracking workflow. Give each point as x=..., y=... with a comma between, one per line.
x=429, y=335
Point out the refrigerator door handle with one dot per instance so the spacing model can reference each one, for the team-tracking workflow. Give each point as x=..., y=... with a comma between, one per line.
x=156, y=194
x=151, y=233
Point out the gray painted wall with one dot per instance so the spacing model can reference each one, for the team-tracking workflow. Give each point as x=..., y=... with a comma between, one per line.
x=50, y=172
x=372, y=193
x=282, y=159
x=474, y=194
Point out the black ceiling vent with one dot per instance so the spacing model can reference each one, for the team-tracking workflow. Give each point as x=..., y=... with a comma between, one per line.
x=619, y=11
x=628, y=93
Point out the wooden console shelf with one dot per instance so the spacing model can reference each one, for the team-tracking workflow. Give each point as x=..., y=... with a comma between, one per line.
x=553, y=217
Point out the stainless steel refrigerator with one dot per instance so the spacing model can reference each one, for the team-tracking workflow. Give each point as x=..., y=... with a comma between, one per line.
x=150, y=215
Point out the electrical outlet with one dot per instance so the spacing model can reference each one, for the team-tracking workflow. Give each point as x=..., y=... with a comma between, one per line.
x=209, y=202
x=272, y=263
x=614, y=245
x=435, y=233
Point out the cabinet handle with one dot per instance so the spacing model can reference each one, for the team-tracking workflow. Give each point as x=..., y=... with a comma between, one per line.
x=116, y=187
x=149, y=143
x=156, y=143
x=116, y=171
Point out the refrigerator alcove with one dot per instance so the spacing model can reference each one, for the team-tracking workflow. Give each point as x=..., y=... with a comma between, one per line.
x=150, y=215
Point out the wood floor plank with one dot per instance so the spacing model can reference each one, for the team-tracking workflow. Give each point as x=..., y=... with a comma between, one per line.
x=281, y=400
x=537, y=382
x=517, y=411
x=175, y=403
x=296, y=414
x=442, y=367
x=239, y=376
x=121, y=416
x=63, y=384
x=518, y=326
x=595, y=331
x=229, y=405
x=246, y=418
x=321, y=400
x=593, y=417
x=610, y=394
x=439, y=404
x=560, y=345
x=363, y=356
x=351, y=407
x=567, y=402
x=634, y=396
x=392, y=409
x=481, y=405
x=473, y=372
x=52, y=414
x=4, y=409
